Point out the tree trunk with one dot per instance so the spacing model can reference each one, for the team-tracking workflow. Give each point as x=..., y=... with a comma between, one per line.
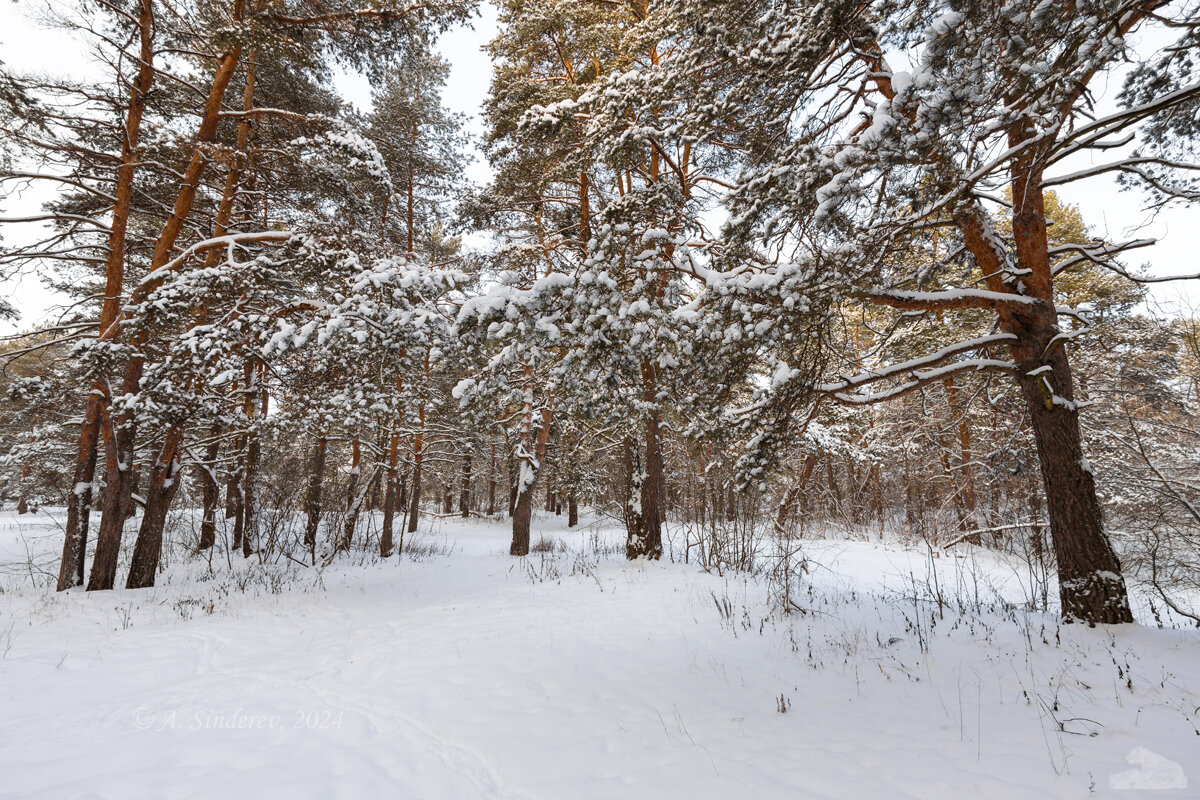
x=414, y=511
x=119, y=433
x=312, y=498
x=512, y=487
x=464, y=495
x=256, y=400
x=787, y=508
x=644, y=535
x=966, y=469
x=635, y=525
x=414, y=500
x=530, y=463
x=79, y=499
x=1091, y=587
x=134, y=482
x=162, y=484
x=491, y=483
x=389, y=497
x=239, y=517
x=527, y=468
x=232, y=492
x=375, y=501
x=118, y=489
x=352, y=499
x=572, y=510
x=522, y=515
x=402, y=498
x=211, y=491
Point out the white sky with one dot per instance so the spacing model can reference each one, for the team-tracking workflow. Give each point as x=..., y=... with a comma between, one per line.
x=1112, y=214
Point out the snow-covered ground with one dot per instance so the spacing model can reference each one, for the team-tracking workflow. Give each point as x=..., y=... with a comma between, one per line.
x=464, y=673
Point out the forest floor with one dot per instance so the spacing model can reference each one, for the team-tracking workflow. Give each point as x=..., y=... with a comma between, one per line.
x=458, y=672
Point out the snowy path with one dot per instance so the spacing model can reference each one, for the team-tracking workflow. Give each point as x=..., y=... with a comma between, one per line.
x=469, y=676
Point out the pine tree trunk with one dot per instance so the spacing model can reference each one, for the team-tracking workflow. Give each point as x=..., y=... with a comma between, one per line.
x=522, y=515
x=377, y=480
x=160, y=490
x=965, y=468
x=414, y=511
x=79, y=500
x=352, y=498
x=572, y=510
x=1091, y=587
x=533, y=451
x=635, y=525
x=211, y=492
x=118, y=490
x=135, y=482
x=491, y=483
x=312, y=498
x=645, y=534
x=119, y=433
x=787, y=507
x=512, y=488
x=232, y=492
x=402, y=498
x=386, y=537
x=414, y=500
x=464, y=496
x=256, y=400
x=527, y=469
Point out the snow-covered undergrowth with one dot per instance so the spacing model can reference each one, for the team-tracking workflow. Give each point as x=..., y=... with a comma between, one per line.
x=459, y=672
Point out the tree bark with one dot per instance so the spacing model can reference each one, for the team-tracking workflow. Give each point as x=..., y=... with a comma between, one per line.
x=644, y=533
x=352, y=499
x=390, y=499
x=256, y=401
x=118, y=490
x=312, y=498
x=79, y=499
x=1091, y=587
x=414, y=511
x=530, y=464
x=464, y=496
x=491, y=484
x=160, y=490
x=119, y=433
x=402, y=498
x=787, y=508
x=211, y=492
x=386, y=537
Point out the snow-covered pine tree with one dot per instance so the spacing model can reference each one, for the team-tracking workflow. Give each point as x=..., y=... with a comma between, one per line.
x=843, y=180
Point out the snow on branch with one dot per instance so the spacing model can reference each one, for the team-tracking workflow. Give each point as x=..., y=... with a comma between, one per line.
x=951, y=299
x=921, y=378
x=922, y=367
x=229, y=241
